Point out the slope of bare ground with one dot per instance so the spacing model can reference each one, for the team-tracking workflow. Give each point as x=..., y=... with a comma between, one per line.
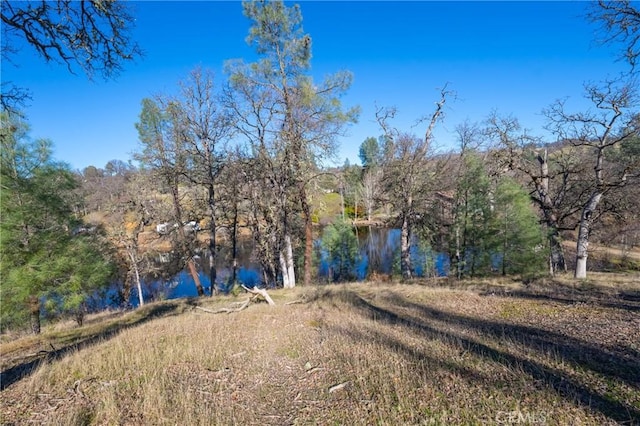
x=602, y=251
x=389, y=354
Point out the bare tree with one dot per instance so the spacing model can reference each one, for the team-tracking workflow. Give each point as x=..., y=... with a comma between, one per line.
x=123, y=194
x=371, y=179
x=233, y=197
x=408, y=172
x=614, y=121
x=92, y=35
x=620, y=23
x=206, y=128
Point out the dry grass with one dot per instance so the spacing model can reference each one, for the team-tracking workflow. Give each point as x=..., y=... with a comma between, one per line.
x=425, y=353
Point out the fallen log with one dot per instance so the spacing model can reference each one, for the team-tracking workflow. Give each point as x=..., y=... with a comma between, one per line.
x=262, y=292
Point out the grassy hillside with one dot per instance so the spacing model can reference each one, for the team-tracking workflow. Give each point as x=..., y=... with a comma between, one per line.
x=430, y=352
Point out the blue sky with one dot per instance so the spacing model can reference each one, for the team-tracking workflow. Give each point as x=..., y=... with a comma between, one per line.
x=513, y=57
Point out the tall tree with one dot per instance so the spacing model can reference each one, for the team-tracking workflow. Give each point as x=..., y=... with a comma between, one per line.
x=369, y=152
x=408, y=173
x=516, y=235
x=290, y=123
x=469, y=139
x=233, y=196
x=160, y=131
x=370, y=189
x=207, y=126
x=472, y=211
x=351, y=186
x=92, y=35
x=614, y=121
x=42, y=258
x=129, y=215
x=370, y=156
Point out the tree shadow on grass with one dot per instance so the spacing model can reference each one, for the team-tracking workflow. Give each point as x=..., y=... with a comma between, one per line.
x=621, y=363
x=80, y=341
x=626, y=300
x=574, y=351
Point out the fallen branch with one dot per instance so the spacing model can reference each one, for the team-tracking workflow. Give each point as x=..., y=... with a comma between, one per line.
x=262, y=292
x=258, y=292
x=244, y=305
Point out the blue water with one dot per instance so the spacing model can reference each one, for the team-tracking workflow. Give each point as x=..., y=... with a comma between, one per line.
x=379, y=251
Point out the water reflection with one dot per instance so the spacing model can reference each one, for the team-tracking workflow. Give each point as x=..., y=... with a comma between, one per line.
x=378, y=251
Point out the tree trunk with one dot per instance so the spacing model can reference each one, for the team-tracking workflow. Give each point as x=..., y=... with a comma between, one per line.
x=583, y=235
x=213, y=273
x=308, y=250
x=308, y=237
x=505, y=245
x=556, y=253
x=405, y=254
x=136, y=271
x=458, y=258
x=234, y=245
x=80, y=314
x=193, y=270
x=289, y=260
x=183, y=240
x=34, y=312
x=355, y=212
x=284, y=270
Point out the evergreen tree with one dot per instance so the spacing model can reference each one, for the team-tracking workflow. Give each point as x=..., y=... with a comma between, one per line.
x=517, y=239
x=341, y=245
x=44, y=256
x=472, y=216
x=369, y=152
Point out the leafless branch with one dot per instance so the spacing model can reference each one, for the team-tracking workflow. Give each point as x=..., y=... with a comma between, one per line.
x=91, y=34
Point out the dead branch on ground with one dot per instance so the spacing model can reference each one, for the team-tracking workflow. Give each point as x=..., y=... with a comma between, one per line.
x=239, y=306
x=262, y=292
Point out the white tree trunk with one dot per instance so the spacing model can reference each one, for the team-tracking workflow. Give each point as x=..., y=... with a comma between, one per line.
x=139, y=284
x=405, y=253
x=287, y=264
x=285, y=271
x=583, y=235
x=289, y=260
x=134, y=263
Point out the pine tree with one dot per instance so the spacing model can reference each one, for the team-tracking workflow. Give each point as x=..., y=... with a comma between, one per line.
x=341, y=245
x=518, y=239
x=43, y=256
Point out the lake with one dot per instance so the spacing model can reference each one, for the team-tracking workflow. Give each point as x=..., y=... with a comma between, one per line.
x=378, y=251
